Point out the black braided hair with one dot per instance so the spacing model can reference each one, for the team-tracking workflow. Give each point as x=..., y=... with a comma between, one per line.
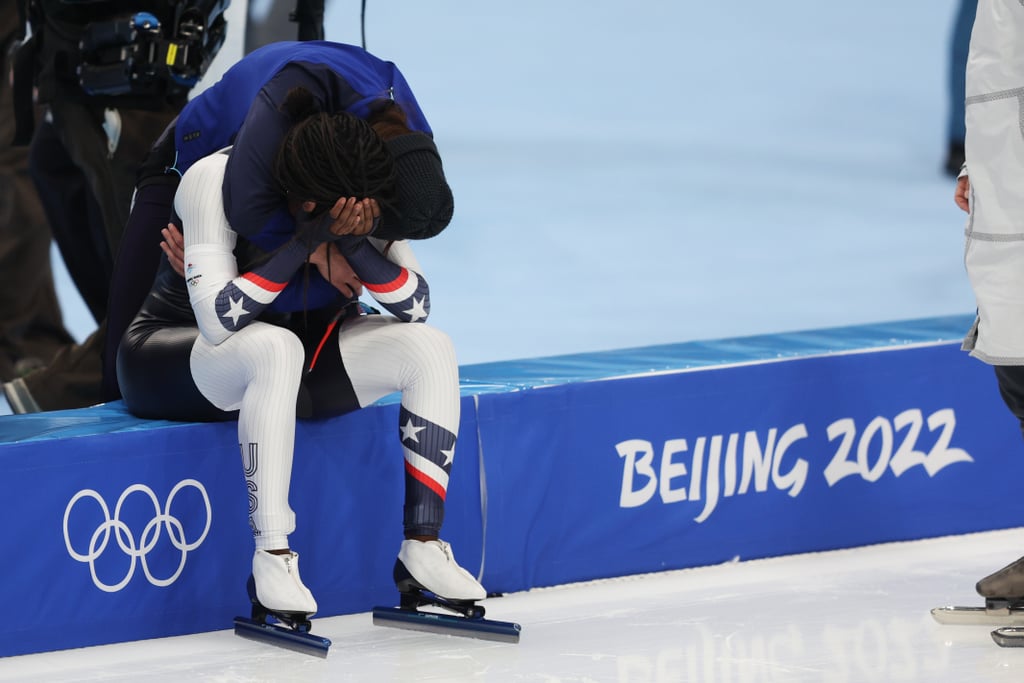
x=325, y=156
x=388, y=119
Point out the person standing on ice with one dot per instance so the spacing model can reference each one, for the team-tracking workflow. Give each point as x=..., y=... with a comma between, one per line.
x=990, y=188
x=211, y=338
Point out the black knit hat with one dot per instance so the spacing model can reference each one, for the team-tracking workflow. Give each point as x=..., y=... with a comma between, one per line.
x=423, y=201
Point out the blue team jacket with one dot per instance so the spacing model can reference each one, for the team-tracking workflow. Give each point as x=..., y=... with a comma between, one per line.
x=242, y=109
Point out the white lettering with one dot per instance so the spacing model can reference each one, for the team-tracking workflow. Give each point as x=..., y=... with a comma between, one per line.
x=795, y=479
x=629, y=450
x=718, y=468
x=711, y=499
x=671, y=470
x=906, y=455
x=756, y=461
x=941, y=454
x=880, y=426
x=730, y=465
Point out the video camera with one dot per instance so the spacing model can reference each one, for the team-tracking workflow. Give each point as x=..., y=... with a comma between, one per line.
x=139, y=55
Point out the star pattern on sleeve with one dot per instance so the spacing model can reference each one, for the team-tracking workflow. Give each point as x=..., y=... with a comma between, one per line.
x=418, y=310
x=236, y=311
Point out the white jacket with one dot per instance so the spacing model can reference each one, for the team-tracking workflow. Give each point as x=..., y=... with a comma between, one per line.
x=994, y=251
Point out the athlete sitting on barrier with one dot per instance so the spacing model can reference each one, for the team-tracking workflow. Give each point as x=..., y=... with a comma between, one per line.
x=208, y=344
x=242, y=109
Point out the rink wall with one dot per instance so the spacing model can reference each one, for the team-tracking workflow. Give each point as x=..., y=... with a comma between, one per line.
x=569, y=468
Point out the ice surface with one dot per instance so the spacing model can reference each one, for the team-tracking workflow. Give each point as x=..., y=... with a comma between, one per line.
x=846, y=616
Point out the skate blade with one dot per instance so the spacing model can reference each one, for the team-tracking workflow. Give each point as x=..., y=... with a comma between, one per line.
x=1009, y=636
x=429, y=622
x=307, y=643
x=977, y=616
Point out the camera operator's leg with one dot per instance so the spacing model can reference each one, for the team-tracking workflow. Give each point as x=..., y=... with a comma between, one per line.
x=31, y=327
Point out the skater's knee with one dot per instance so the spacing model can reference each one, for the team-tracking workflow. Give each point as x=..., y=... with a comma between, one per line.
x=276, y=349
x=429, y=345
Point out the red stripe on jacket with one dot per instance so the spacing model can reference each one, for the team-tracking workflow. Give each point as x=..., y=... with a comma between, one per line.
x=385, y=287
x=263, y=283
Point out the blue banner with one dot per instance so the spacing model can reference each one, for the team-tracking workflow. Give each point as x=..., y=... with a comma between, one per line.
x=144, y=533
x=620, y=477
x=125, y=529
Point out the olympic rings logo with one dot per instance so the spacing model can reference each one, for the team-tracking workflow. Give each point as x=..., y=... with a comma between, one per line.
x=126, y=540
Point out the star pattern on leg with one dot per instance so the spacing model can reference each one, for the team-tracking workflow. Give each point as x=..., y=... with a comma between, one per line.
x=410, y=432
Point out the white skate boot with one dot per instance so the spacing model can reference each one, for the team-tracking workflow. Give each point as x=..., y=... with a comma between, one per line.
x=279, y=587
x=431, y=566
x=278, y=595
x=427, y=575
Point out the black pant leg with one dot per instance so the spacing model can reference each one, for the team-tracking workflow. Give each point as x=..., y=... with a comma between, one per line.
x=31, y=326
x=1011, y=388
x=155, y=375
x=87, y=192
x=135, y=269
x=74, y=216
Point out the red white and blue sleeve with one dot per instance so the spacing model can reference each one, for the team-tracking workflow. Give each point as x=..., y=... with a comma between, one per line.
x=394, y=280
x=223, y=300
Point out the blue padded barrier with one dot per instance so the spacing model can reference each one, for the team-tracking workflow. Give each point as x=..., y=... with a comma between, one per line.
x=569, y=468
